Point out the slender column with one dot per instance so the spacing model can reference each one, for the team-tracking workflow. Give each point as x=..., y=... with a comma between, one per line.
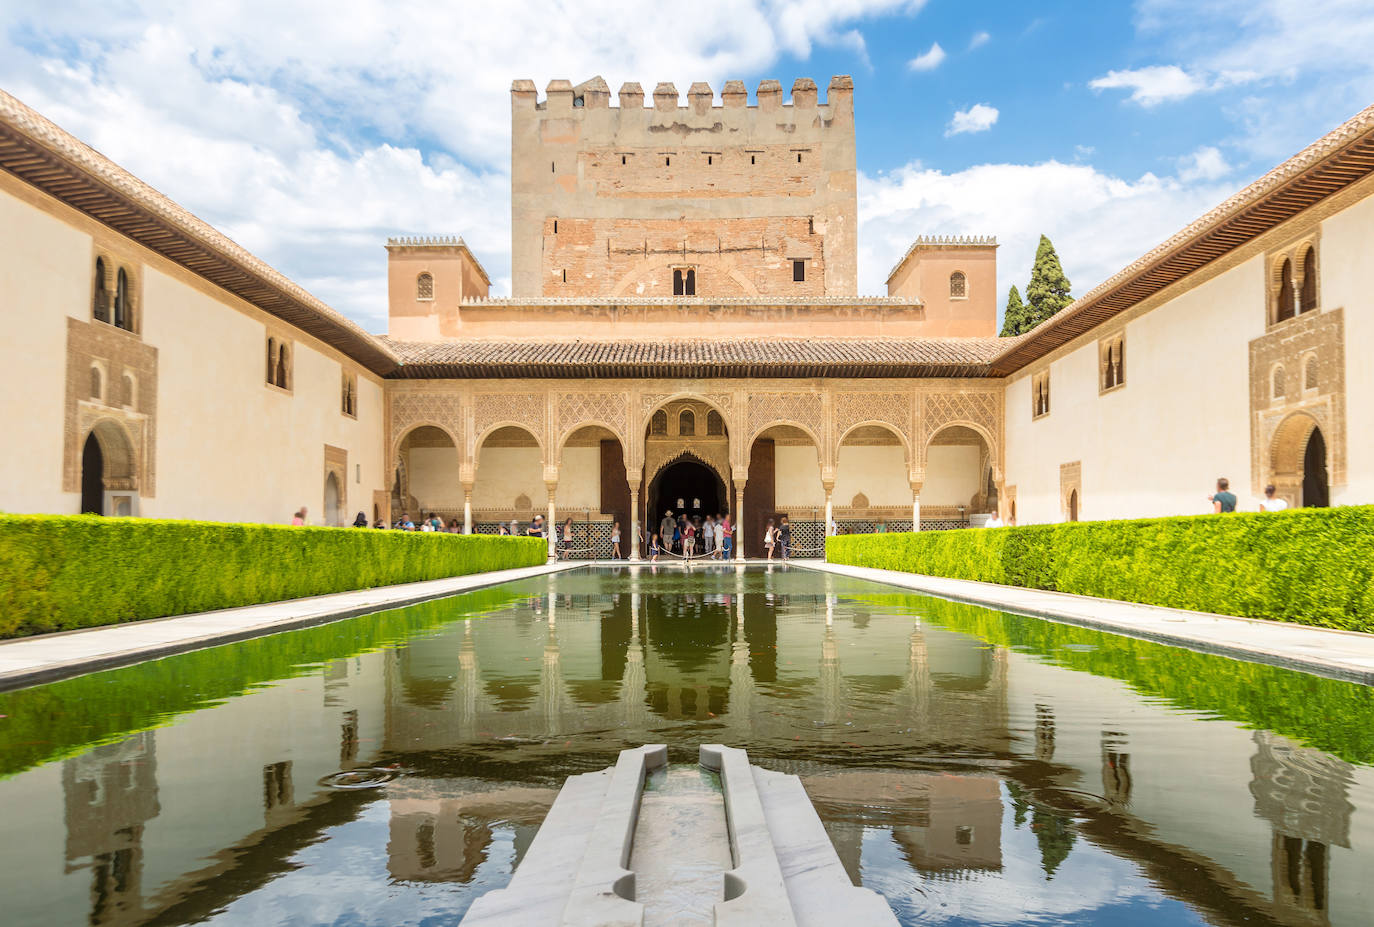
x=915, y=506
x=633, y=536
x=467, y=508
x=829, y=487
x=552, y=525
x=738, y=553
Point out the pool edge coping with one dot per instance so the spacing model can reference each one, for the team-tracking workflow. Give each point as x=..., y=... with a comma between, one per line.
x=303, y=612
x=1051, y=606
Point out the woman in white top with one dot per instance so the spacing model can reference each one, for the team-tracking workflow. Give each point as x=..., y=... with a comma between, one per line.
x=708, y=533
x=615, y=541
x=1271, y=502
x=768, y=538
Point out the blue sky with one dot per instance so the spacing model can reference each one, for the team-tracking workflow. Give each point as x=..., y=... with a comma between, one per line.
x=311, y=131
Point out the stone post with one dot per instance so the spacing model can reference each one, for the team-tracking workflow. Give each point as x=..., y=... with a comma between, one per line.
x=552, y=525
x=634, y=518
x=829, y=487
x=915, y=506
x=738, y=553
x=467, y=508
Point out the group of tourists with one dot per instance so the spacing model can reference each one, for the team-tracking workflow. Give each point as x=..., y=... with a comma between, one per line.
x=711, y=538
x=1223, y=500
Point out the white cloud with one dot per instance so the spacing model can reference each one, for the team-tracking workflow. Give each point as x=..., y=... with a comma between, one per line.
x=977, y=118
x=979, y=40
x=311, y=132
x=928, y=61
x=1207, y=163
x=1099, y=223
x=1153, y=85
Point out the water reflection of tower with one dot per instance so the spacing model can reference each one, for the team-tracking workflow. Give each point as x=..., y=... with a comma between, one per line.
x=1303, y=794
x=109, y=794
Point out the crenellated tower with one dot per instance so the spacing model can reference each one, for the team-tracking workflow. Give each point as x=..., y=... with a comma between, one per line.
x=709, y=199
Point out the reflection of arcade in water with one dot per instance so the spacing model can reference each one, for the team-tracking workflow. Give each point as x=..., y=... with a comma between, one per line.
x=948, y=747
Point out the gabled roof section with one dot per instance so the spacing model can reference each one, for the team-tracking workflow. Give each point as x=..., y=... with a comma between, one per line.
x=1328, y=165
x=50, y=159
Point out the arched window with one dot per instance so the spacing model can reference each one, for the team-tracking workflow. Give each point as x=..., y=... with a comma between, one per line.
x=715, y=425
x=1073, y=505
x=130, y=392
x=1113, y=363
x=1278, y=383
x=689, y=284
x=658, y=425
x=348, y=398
x=1284, y=303
x=272, y=361
x=687, y=423
x=283, y=367
x=1310, y=374
x=677, y=282
x=1040, y=395
x=100, y=307
x=96, y=392
x=424, y=286
x=958, y=285
x=1308, y=299
x=123, y=312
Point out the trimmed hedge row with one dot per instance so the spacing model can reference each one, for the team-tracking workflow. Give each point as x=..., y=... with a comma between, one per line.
x=1310, y=566
x=59, y=572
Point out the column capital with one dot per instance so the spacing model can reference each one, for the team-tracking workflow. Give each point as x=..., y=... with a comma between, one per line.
x=916, y=487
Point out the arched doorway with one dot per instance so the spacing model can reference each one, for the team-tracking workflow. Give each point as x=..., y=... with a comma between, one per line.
x=333, y=507
x=686, y=486
x=92, y=477
x=1316, y=489
x=1073, y=505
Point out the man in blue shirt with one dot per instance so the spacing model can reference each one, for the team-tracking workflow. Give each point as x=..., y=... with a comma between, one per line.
x=1223, y=500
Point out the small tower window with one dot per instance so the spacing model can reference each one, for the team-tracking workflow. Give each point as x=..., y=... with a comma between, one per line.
x=1040, y=395
x=958, y=285
x=667, y=161
x=708, y=159
x=751, y=159
x=799, y=157
x=565, y=275
x=1310, y=375
x=555, y=226
x=1113, y=363
x=658, y=425
x=130, y=392
x=424, y=286
x=622, y=159
x=687, y=424
x=95, y=384
x=1278, y=383
x=684, y=281
x=798, y=271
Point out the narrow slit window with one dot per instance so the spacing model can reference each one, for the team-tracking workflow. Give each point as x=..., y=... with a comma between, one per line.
x=798, y=271
x=553, y=167
x=799, y=157
x=677, y=283
x=667, y=161
x=565, y=275
x=622, y=159
x=555, y=226
x=689, y=283
x=751, y=159
x=708, y=159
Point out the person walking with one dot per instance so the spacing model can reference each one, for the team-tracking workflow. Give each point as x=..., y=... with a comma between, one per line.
x=565, y=552
x=666, y=529
x=299, y=518
x=501, y=529
x=727, y=537
x=361, y=520
x=708, y=534
x=615, y=541
x=689, y=540
x=1223, y=500
x=785, y=537
x=653, y=549
x=1271, y=502
x=769, y=538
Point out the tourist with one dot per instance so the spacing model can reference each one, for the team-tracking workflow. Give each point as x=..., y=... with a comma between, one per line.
x=689, y=539
x=708, y=534
x=427, y=526
x=653, y=549
x=514, y=528
x=677, y=534
x=361, y=520
x=1271, y=502
x=565, y=542
x=785, y=537
x=405, y=524
x=502, y=529
x=727, y=537
x=770, y=536
x=436, y=522
x=299, y=518
x=454, y=527
x=615, y=541
x=1223, y=500
x=666, y=527
x=534, y=530
x=993, y=521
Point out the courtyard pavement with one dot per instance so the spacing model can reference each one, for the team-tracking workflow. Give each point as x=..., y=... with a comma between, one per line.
x=30, y=660
x=1347, y=655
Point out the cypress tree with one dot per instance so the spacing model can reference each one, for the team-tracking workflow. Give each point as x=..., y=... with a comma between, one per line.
x=1014, y=319
x=1048, y=291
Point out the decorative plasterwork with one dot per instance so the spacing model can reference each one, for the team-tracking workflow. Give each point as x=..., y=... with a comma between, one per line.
x=411, y=409
x=1070, y=482
x=575, y=410
x=980, y=410
x=116, y=353
x=526, y=409
x=854, y=408
x=798, y=408
x=1277, y=422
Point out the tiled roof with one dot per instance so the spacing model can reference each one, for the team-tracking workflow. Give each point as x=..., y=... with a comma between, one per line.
x=42, y=154
x=923, y=357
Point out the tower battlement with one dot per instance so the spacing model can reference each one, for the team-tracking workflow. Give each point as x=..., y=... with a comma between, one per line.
x=595, y=94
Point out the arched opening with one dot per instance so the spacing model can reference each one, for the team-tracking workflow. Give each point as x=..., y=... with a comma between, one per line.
x=508, y=481
x=1284, y=303
x=92, y=477
x=1073, y=505
x=1316, y=489
x=333, y=503
x=658, y=425
x=123, y=312
x=686, y=424
x=593, y=491
x=959, y=478
x=97, y=393
x=873, y=473
x=715, y=425
x=785, y=479
x=958, y=285
x=1308, y=299
x=689, y=487
x=427, y=476
x=283, y=366
x=1310, y=380
x=101, y=304
x=424, y=286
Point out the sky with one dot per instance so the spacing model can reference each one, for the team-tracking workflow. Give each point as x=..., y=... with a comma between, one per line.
x=311, y=131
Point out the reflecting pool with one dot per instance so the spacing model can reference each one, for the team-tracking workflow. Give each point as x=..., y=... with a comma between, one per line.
x=972, y=766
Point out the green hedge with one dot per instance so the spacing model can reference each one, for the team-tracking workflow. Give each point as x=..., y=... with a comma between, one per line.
x=59, y=572
x=1311, y=566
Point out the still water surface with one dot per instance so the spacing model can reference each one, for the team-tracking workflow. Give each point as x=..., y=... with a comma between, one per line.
x=974, y=767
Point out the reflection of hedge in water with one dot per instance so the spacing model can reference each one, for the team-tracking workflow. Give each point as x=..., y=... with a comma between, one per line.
x=1334, y=716
x=1311, y=566
x=65, y=718
x=59, y=572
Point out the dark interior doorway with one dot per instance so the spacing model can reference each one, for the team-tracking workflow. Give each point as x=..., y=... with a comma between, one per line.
x=1316, y=489
x=92, y=477
x=685, y=486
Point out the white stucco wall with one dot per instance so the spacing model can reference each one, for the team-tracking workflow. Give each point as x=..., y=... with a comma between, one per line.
x=506, y=472
x=228, y=447
x=1346, y=272
x=434, y=479
x=877, y=471
x=952, y=474
x=579, y=480
x=1157, y=445
x=797, y=477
